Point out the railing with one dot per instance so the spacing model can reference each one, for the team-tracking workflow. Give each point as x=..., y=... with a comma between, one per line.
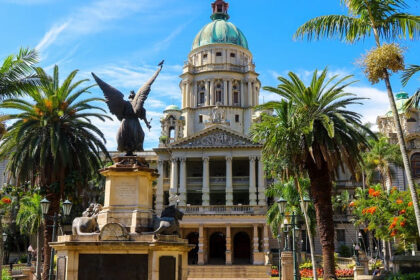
x=166, y=181
x=216, y=180
x=218, y=67
x=223, y=209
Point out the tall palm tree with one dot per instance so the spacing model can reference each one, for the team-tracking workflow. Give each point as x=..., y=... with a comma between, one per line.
x=29, y=220
x=406, y=76
x=386, y=20
x=53, y=136
x=16, y=73
x=285, y=126
x=329, y=139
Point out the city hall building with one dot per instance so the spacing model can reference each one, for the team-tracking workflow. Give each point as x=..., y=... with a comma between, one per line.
x=209, y=166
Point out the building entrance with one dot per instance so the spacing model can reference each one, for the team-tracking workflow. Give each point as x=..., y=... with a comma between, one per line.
x=193, y=254
x=217, y=248
x=241, y=248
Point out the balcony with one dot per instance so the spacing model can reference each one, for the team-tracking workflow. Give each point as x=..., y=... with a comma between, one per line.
x=223, y=210
x=218, y=67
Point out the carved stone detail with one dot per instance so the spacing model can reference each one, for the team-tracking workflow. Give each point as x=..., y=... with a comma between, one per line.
x=218, y=138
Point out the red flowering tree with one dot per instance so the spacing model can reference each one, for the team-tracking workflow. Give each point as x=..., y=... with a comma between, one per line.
x=389, y=215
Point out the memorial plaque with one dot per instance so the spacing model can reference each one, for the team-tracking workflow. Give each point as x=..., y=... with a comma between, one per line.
x=113, y=266
x=126, y=192
x=114, y=232
x=167, y=268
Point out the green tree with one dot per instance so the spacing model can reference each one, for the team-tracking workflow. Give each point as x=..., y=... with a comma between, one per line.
x=408, y=73
x=29, y=220
x=52, y=136
x=285, y=126
x=329, y=138
x=380, y=158
x=387, y=21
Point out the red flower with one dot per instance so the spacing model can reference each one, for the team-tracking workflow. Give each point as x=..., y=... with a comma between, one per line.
x=399, y=201
x=392, y=225
x=393, y=233
x=410, y=203
x=376, y=193
x=402, y=224
x=402, y=212
x=352, y=204
x=395, y=219
x=6, y=200
x=371, y=191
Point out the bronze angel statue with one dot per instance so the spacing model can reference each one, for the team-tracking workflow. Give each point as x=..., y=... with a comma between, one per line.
x=130, y=135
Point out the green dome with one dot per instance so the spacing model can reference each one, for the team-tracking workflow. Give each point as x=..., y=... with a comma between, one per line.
x=400, y=100
x=171, y=108
x=220, y=31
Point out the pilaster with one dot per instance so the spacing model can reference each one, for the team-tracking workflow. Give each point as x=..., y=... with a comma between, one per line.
x=229, y=187
x=228, y=245
x=252, y=187
x=212, y=93
x=174, y=182
x=183, y=182
x=206, y=182
x=261, y=183
x=201, y=244
x=159, y=189
x=225, y=93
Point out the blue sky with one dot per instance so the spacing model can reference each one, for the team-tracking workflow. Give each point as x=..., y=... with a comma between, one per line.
x=123, y=40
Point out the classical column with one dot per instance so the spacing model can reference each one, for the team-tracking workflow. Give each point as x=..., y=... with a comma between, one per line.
x=207, y=93
x=183, y=182
x=195, y=95
x=174, y=181
x=187, y=94
x=201, y=244
x=261, y=185
x=252, y=188
x=249, y=93
x=206, y=182
x=228, y=245
x=183, y=94
x=230, y=103
x=159, y=189
x=225, y=93
x=255, y=241
x=229, y=188
x=242, y=101
x=211, y=92
x=266, y=239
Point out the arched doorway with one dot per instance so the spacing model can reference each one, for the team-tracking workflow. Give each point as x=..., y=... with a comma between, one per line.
x=193, y=254
x=241, y=248
x=217, y=248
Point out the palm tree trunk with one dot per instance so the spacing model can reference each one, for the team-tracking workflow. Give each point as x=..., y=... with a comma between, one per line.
x=321, y=188
x=403, y=149
x=38, y=253
x=48, y=223
x=308, y=230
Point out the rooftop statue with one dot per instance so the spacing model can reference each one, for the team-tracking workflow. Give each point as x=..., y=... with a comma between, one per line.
x=130, y=135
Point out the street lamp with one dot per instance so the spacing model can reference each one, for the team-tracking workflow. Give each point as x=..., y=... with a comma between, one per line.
x=4, y=237
x=281, y=202
x=45, y=206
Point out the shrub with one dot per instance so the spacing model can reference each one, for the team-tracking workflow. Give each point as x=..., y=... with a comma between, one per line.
x=344, y=251
x=411, y=276
x=5, y=274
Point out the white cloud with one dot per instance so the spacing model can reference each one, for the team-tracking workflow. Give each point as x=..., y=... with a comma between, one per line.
x=95, y=17
x=51, y=36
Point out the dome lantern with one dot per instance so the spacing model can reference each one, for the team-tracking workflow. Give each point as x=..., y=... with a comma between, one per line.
x=220, y=10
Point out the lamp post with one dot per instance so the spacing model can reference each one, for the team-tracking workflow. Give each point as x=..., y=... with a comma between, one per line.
x=4, y=239
x=45, y=205
x=293, y=226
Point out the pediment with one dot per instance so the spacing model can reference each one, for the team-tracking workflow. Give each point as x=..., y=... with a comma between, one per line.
x=216, y=136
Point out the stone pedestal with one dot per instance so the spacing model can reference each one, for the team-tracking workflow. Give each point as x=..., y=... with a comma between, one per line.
x=128, y=194
x=358, y=271
x=286, y=265
x=138, y=257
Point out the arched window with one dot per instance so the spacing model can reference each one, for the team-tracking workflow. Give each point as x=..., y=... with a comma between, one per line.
x=415, y=164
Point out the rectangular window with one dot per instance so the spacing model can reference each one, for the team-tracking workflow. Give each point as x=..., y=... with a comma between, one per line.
x=236, y=118
x=236, y=97
x=218, y=54
x=200, y=119
x=341, y=235
x=202, y=98
x=218, y=96
x=232, y=55
x=205, y=56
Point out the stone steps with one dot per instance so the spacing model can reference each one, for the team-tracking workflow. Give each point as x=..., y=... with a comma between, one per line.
x=228, y=271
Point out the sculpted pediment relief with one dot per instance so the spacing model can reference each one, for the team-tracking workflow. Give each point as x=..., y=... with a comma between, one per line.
x=215, y=138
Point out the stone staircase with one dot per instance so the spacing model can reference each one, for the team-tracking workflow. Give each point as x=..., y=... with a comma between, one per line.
x=228, y=271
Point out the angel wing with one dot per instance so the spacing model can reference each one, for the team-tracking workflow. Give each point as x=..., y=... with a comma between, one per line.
x=113, y=98
x=143, y=92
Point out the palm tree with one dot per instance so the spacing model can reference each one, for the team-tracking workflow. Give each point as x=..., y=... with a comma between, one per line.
x=29, y=220
x=16, y=73
x=53, y=136
x=385, y=19
x=408, y=73
x=285, y=126
x=380, y=158
x=329, y=138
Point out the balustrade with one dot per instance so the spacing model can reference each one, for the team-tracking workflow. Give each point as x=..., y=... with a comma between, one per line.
x=223, y=209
